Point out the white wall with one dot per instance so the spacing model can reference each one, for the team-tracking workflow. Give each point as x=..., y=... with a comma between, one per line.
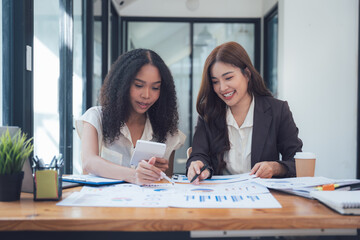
x=318, y=56
x=267, y=5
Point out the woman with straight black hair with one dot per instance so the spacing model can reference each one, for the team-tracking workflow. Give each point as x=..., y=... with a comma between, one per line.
x=241, y=126
x=137, y=101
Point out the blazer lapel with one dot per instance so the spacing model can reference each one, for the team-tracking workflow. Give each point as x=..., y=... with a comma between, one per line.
x=262, y=121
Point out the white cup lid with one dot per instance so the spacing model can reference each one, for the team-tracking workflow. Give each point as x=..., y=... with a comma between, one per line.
x=305, y=155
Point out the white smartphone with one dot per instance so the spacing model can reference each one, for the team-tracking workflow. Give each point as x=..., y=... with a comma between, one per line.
x=145, y=150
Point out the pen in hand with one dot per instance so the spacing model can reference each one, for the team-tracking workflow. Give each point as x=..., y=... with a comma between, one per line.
x=167, y=178
x=197, y=175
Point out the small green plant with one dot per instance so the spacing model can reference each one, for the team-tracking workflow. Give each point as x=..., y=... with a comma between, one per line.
x=13, y=152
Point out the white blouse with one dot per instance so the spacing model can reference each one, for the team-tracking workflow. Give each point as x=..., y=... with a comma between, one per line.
x=121, y=150
x=238, y=158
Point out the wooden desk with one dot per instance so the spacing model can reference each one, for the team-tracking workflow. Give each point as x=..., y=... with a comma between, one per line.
x=296, y=213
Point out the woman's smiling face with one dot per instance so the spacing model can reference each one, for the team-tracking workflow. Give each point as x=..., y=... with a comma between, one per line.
x=229, y=83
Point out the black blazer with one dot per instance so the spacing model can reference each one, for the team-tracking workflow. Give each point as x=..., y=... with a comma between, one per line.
x=274, y=133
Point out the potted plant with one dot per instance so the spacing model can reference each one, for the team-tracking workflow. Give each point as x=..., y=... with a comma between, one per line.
x=14, y=151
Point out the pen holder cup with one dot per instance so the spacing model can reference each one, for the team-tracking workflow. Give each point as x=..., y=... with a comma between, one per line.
x=47, y=183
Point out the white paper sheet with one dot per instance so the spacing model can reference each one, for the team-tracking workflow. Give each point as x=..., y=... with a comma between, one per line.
x=232, y=195
x=293, y=183
x=123, y=195
x=264, y=200
x=216, y=178
x=302, y=186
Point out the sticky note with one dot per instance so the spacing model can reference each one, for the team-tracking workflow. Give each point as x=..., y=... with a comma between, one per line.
x=46, y=182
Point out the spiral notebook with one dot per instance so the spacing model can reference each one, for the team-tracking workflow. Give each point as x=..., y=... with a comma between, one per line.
x=345, y=202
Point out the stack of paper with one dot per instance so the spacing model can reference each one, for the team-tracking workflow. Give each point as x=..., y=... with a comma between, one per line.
x=302, y=186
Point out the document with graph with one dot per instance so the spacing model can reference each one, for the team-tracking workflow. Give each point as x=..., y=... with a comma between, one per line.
x=235, y=195
x=231, y=195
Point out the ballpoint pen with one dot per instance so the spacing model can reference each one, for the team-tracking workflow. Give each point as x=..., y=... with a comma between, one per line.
x=35, y=162
x=167, y=178
x=197, y=175
x=53, y=162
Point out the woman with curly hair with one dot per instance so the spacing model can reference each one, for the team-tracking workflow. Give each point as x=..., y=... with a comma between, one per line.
x=138, y=101
x=242, y=127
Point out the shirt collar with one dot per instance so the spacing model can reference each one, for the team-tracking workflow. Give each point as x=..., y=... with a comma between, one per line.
x=147, y=134
x=230, y=120
x=249, y=119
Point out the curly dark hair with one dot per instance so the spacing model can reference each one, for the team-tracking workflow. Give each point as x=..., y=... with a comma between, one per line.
x=115, y=96
x=211, y=108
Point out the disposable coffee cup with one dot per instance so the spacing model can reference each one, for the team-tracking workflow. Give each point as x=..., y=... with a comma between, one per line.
x=305, y=164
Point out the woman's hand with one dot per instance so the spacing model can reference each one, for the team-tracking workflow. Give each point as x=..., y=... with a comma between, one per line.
x=268, y=169
x=146, y=172
x=162, y=164
x=194, y=169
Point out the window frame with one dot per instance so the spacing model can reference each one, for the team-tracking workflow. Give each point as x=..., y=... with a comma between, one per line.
x=266, y=75
x=17, y=92
x=65, y=82
x=358, y=107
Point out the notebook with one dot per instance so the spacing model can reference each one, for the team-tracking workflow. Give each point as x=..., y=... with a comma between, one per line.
x=345, y=202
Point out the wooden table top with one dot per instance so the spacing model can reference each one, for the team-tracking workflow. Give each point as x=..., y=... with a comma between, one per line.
x=296, y=213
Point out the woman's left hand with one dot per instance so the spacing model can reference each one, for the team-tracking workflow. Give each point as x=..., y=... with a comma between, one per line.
x=162, y=164
x=268, y=169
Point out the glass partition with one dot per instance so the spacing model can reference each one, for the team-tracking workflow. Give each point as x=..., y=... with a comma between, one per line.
x=171, y=42
x=209, y=35
x=46, y=78
x=77, y=83
x=97, y=78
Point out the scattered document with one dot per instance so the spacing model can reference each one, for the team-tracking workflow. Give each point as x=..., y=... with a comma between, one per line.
x=226, y=188
x=106, y=198
x=228, y=191
x=291, y=183
x=216, y=179
x=265, y=200
x=233, y=195
x=302, y=186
